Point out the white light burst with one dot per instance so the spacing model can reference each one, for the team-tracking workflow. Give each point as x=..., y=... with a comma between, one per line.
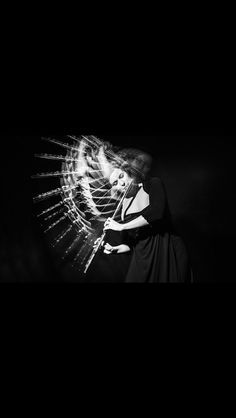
x=84, y=199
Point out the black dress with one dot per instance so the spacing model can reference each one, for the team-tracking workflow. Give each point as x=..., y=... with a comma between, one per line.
x=158, y=254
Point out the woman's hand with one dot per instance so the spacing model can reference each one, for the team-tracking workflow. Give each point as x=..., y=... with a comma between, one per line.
x=98, y=243
x=122, y=248
x=111, y=224
x=108, y=249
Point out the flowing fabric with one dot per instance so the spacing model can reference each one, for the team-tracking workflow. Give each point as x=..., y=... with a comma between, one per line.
x=158, y=254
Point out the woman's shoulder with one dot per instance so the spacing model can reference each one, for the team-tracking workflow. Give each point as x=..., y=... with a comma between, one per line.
x=152, y=182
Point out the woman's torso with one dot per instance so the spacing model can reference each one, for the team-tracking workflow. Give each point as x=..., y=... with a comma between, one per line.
x=159, y=254
x=135, y=204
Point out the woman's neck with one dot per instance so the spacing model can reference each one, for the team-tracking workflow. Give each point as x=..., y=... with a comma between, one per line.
x=133, y=190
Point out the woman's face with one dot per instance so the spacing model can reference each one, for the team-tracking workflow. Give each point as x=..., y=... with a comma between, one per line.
x=119, y=180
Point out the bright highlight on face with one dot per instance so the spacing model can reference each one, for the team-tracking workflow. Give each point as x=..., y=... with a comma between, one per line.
x=119, y=179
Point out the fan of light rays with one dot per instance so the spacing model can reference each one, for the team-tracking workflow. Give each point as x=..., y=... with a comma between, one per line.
x=81, y=201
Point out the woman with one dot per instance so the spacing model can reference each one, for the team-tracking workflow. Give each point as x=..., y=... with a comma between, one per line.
x=158, y=254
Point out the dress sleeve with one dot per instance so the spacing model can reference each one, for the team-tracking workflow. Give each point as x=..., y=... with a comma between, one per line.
x=127, y=239
x=157, y=198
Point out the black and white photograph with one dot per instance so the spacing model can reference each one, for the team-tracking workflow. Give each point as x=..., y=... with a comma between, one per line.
x=112, y=207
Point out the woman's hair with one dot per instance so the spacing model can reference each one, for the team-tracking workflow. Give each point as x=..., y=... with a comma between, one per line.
x=137, y=163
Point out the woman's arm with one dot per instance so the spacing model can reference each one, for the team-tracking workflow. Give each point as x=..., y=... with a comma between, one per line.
x=152, y=213
x=119, y=249
x=116, y=226
x=135, y=223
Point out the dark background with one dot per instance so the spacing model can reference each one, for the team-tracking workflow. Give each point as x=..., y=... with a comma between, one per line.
x=168, y=88
x=196, y=167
